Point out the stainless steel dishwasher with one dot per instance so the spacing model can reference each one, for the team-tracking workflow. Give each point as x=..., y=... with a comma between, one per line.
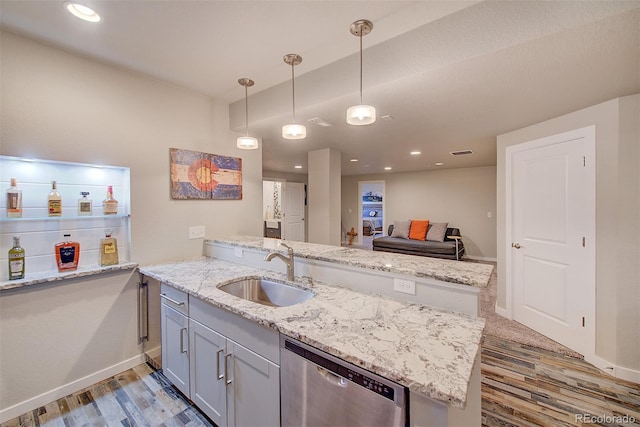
x=318, y=389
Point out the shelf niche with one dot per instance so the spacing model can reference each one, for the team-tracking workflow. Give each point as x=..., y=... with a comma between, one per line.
x=39, y=232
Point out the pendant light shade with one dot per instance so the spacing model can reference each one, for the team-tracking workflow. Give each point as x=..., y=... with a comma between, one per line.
x=293, y=130
x=362, y=114
x=246, y=142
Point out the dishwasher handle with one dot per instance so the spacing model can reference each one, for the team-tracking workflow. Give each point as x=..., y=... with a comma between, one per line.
x=331, y=377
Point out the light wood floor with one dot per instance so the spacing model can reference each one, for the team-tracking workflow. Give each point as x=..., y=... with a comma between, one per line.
x=521, y=386
x=137, y=397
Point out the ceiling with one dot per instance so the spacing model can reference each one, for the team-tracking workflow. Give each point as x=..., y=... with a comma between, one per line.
x=451, y=74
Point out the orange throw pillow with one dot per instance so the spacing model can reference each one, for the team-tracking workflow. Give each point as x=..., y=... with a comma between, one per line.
x=418, y=230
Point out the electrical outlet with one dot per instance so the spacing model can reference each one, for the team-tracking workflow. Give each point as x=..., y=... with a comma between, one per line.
x=196, y=232
x=404, y=286
x=237, y=252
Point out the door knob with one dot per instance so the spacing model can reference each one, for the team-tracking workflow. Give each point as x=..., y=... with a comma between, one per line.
x=516, y=245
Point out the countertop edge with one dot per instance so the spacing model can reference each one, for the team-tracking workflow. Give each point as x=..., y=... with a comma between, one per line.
x=55, y=276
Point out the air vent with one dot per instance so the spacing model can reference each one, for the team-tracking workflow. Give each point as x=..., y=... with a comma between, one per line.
x=461, y=152
x=320, y=122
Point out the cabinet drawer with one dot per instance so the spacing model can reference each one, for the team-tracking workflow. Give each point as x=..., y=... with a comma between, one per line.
x=174, y=298
x=255, y=337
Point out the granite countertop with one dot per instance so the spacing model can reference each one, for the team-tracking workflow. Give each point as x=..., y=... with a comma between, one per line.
x=55, y=276
x=429, y=351
x=461, y=272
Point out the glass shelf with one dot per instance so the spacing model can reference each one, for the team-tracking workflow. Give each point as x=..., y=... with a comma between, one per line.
x=62, y=218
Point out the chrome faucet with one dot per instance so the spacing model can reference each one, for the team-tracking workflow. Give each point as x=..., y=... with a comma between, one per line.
x=288, y=260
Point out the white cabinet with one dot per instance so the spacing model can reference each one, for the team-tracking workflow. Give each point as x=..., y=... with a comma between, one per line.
x=208, y=367
x=174, y=320
x=175, y=352
x=231, y=384
x=253, y=398
x=226, y=364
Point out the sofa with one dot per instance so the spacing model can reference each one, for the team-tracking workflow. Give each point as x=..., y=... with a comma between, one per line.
x=449, y=248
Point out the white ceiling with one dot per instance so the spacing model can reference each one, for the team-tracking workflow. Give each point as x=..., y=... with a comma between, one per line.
x=452, y=74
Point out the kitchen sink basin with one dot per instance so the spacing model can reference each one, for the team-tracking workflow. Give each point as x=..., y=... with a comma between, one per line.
x=266, y=292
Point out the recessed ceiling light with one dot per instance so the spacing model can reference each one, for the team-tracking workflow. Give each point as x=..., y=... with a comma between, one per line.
x=353, y=160
x=415, y=153
x=387, y=168
x=83, y=12
x=438, y=163
x=298, y=166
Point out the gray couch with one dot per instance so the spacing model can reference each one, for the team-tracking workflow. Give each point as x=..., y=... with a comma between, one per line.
x=450, y=248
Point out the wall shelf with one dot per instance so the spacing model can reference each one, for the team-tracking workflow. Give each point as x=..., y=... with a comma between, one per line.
x=55, y=276
x=39, y=232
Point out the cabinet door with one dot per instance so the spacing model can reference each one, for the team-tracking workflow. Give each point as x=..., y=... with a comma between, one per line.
x=175, y=347
x=208, y=381
x=253, y=399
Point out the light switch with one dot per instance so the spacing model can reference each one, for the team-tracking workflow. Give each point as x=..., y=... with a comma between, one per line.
x=196, y=232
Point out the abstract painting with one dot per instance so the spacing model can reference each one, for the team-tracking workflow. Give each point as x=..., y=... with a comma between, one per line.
x=196, y=175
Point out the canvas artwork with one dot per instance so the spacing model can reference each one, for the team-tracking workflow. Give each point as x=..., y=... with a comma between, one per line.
x=197, y=175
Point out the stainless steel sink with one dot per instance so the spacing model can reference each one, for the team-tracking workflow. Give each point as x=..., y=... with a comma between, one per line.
x=266, y=292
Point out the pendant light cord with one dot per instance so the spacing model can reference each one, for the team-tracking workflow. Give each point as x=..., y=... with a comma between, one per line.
x=361, y=64
x=246, y=109
x=293, y=91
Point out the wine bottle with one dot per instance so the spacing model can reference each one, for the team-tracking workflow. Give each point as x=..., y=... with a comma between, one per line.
x=16, y=260
x=67, y=254
x=85, y=206
x=110, y=205
x=54, y=201
x=108, y=249
x=14, y=200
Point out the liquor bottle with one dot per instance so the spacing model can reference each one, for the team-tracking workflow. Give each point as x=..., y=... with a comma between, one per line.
x=108, y=249
x=110, y=205
x=14, y=200
x=54, y=201
x=16, y=260
x=67, y=254
x=85, y=205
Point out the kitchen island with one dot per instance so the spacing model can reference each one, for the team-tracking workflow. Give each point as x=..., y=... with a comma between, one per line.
x=434, y=353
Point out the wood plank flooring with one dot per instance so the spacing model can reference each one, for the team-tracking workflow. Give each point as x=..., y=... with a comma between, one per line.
x=521, y=386
x=528, y=386
x=137, y=397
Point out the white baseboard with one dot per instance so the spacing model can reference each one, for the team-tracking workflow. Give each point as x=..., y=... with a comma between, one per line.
x=628, y=374
x=611, y=369
x=18, y=409
x=501, y=311
x=481, y=258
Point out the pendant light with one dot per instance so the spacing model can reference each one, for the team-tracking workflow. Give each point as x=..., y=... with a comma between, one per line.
x=359, y=115
x=246, y=142
x=293, y=130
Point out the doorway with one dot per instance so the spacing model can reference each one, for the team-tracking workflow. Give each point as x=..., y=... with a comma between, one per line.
x=371, y=197
x=283, y=205
x=551, y=237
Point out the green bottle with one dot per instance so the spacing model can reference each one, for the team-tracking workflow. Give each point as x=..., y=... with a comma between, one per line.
x=16, y=260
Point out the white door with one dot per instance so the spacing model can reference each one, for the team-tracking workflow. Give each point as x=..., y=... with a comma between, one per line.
x=208, y=383
x=293, y=224
x=175, y=347
x=552, y=229
x=253, y=398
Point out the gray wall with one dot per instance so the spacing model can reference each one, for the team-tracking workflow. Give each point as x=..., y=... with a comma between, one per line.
x=60, y=106
x=462, y=197
x=617, y=220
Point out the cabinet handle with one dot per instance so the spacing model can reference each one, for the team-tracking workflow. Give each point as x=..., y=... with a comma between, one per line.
x=218, y=353
x=182, y=349
x=227, y=369
x=171, y=300
x=143, y=310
